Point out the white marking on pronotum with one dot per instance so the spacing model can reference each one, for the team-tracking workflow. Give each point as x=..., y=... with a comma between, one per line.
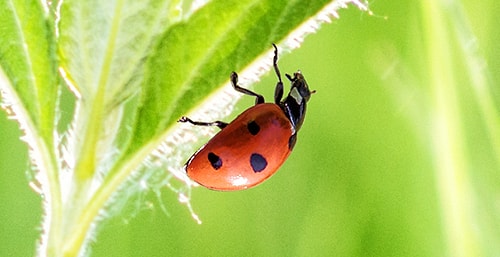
x=296, y=95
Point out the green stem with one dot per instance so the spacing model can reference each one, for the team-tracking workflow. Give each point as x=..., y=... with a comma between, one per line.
x=55, y=202
x=92, y=118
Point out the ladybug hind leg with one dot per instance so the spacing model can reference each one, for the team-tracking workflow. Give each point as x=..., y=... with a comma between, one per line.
x=259, y=99
x=217, y=123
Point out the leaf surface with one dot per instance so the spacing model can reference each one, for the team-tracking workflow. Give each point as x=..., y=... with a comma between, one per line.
x=194, y=58
x=27, y=58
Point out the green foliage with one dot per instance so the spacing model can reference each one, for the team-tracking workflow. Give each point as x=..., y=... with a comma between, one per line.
x=130, y=69
x=28, y=58
x=192, y=58
x=398, y=155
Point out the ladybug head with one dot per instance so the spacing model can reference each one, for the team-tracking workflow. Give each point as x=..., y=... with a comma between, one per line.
x=300, y=90
x=294, y=104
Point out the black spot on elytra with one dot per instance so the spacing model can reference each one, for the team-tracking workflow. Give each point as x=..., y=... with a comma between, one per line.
x=291, y=141
x=258, y=162
x=214, y=160
x=253, y=128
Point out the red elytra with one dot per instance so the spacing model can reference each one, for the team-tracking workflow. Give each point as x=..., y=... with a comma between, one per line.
x=253, y=146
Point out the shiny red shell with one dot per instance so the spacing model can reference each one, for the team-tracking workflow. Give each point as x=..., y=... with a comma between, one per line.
x=246, y=152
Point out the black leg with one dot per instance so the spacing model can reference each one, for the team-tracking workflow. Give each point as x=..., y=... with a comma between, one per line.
x=278, y=91
x=218, y=123
x=259, y=99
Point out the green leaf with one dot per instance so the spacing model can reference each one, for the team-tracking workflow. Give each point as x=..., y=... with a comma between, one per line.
x=194, y=58
x=30, y=85
x=27, y=58
x=102, y=43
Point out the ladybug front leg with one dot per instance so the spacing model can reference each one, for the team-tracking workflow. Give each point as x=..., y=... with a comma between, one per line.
x=259, y=99
x=278, y=91
x=218, y=123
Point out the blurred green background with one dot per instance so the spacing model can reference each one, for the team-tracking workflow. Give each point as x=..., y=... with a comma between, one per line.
x=365, y=178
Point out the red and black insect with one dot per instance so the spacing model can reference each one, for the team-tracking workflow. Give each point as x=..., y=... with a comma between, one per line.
x=253, y=146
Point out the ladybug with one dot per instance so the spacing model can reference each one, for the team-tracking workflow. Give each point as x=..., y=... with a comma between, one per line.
x=252, y=147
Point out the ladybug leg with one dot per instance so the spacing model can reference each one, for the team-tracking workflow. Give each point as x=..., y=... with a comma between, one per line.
x=218, y=123
x=278, y=91
x=259, y=99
